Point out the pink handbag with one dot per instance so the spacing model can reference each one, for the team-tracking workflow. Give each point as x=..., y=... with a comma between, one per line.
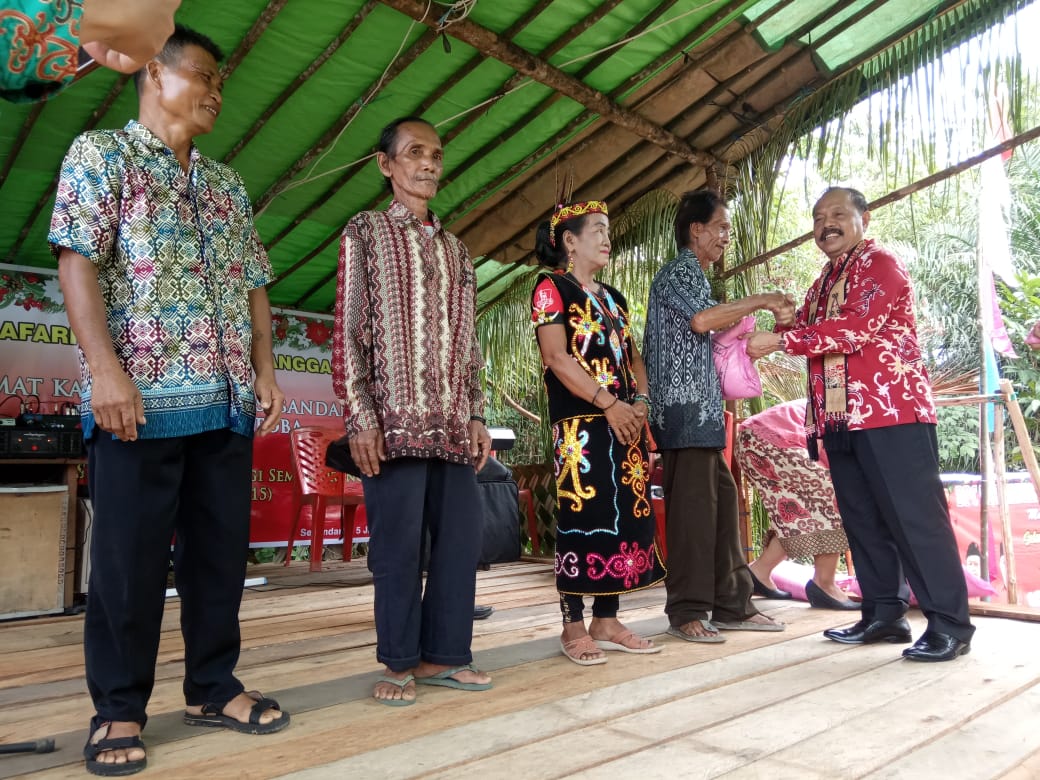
x=1033, y=339
x=737, y=373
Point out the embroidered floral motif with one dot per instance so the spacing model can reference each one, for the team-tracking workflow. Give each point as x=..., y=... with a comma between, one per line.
x=572, y=462
x=637, y=472
x=566, y=564
x=625, y=565
x=603, y=373
x=588, y=329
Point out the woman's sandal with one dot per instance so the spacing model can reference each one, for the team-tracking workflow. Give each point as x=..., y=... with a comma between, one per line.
x=627, y=641
x=213, y=716
x=583, y=645
x=92, y=750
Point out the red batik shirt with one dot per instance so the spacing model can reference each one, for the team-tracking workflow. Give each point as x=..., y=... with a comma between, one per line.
x=876, y=330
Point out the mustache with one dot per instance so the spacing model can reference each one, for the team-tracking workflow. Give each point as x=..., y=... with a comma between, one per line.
x=831, y=231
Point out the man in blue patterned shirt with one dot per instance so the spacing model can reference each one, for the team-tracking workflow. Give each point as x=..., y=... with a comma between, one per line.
x=163, y=276
x=707, y=571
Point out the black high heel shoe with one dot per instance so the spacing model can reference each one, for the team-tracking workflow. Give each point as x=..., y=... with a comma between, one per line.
x=822, y=600
x=761, y=589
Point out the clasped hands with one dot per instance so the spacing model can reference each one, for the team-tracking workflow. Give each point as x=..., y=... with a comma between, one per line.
x=627, y=420
x=761, y=343
x=368, y=448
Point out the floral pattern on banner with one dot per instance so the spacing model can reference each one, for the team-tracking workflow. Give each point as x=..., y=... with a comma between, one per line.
x=27, y=290
x=302, y=333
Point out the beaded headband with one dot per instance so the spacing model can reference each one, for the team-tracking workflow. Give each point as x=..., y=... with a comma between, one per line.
x=563, y=213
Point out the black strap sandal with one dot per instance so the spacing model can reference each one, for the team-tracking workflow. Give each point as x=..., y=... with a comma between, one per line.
x=92, y=750
x=213, y=716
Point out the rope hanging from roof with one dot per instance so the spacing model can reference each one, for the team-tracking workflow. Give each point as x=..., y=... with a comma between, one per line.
x=456, y=12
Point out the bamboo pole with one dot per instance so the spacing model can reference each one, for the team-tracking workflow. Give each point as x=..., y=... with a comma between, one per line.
x=1000, y=462
x=985, y=462
x=1018, y=423
x=969, y=400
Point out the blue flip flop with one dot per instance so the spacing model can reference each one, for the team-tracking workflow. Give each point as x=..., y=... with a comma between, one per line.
x=399, y=684
x=446, y=679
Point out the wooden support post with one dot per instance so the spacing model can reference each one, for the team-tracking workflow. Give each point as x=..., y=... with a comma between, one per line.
x=1018, y=423
x=1000, y=472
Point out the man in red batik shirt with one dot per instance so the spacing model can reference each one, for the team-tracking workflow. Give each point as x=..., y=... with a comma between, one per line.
x=870, y=401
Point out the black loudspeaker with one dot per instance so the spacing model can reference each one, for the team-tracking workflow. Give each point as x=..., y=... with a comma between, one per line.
x=498, y=491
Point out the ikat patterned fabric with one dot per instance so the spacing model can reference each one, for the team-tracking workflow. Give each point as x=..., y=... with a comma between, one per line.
x=687, y=398
x=39, y=43
x=605, y=523
x=176, y=254
x=405, y=355
x=887, y=380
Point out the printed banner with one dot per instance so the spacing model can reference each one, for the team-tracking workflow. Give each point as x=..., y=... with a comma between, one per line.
x=39, y=371
x=964, y=497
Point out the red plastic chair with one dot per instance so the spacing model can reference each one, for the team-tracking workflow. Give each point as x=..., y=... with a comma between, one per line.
x=658, y=475
x=320, y=487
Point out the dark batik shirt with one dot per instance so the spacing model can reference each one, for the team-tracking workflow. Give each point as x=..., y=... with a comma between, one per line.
x=687, y=399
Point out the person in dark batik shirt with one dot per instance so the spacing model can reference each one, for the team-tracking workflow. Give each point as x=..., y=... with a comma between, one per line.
x=707, y=572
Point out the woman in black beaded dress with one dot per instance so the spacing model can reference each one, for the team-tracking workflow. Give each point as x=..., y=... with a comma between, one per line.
x=596, y=384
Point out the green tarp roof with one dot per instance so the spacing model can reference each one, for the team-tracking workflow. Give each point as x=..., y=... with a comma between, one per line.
x=311, y=82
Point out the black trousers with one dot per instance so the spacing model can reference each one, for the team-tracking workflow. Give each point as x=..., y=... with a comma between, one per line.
x=707, y=571
x=573, y=606
x=143, y=492
x=894, y=511
x=408, y=496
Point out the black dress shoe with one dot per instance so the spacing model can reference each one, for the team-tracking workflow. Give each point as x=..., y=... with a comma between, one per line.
x=761, y=589
x=934, y=646
x=821, y=599
x=481, y=611
x=866, y=632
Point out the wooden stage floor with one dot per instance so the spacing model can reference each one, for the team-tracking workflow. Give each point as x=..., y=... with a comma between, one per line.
x=761, y=705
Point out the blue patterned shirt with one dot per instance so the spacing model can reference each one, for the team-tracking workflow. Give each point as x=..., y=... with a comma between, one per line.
x=176, y=254
x=687, y=398
x=39, y=43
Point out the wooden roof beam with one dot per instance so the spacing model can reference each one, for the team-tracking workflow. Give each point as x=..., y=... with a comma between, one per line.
x=343, y=179
x=489, y=44
x=300, y=79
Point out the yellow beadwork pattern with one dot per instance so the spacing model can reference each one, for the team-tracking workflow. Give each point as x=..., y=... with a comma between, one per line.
x=571, y=463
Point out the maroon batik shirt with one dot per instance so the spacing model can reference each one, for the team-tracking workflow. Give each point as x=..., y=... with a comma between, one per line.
x=877, y=332
x=405, y=351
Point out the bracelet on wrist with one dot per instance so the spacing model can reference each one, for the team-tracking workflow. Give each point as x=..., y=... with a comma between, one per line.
x=608, y=406
x=642, y=397
x=595, y=395
x=478, y=418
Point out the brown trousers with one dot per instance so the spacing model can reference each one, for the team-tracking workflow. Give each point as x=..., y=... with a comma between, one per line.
x=707, y=571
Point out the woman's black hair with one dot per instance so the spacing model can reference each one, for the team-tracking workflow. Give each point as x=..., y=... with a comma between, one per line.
x=697, y=206
x=556, y=256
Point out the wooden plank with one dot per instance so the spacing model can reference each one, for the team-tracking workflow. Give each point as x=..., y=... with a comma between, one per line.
x=1002, y=739
x=516, y=743
x=1027, y=770
x=689, y=706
